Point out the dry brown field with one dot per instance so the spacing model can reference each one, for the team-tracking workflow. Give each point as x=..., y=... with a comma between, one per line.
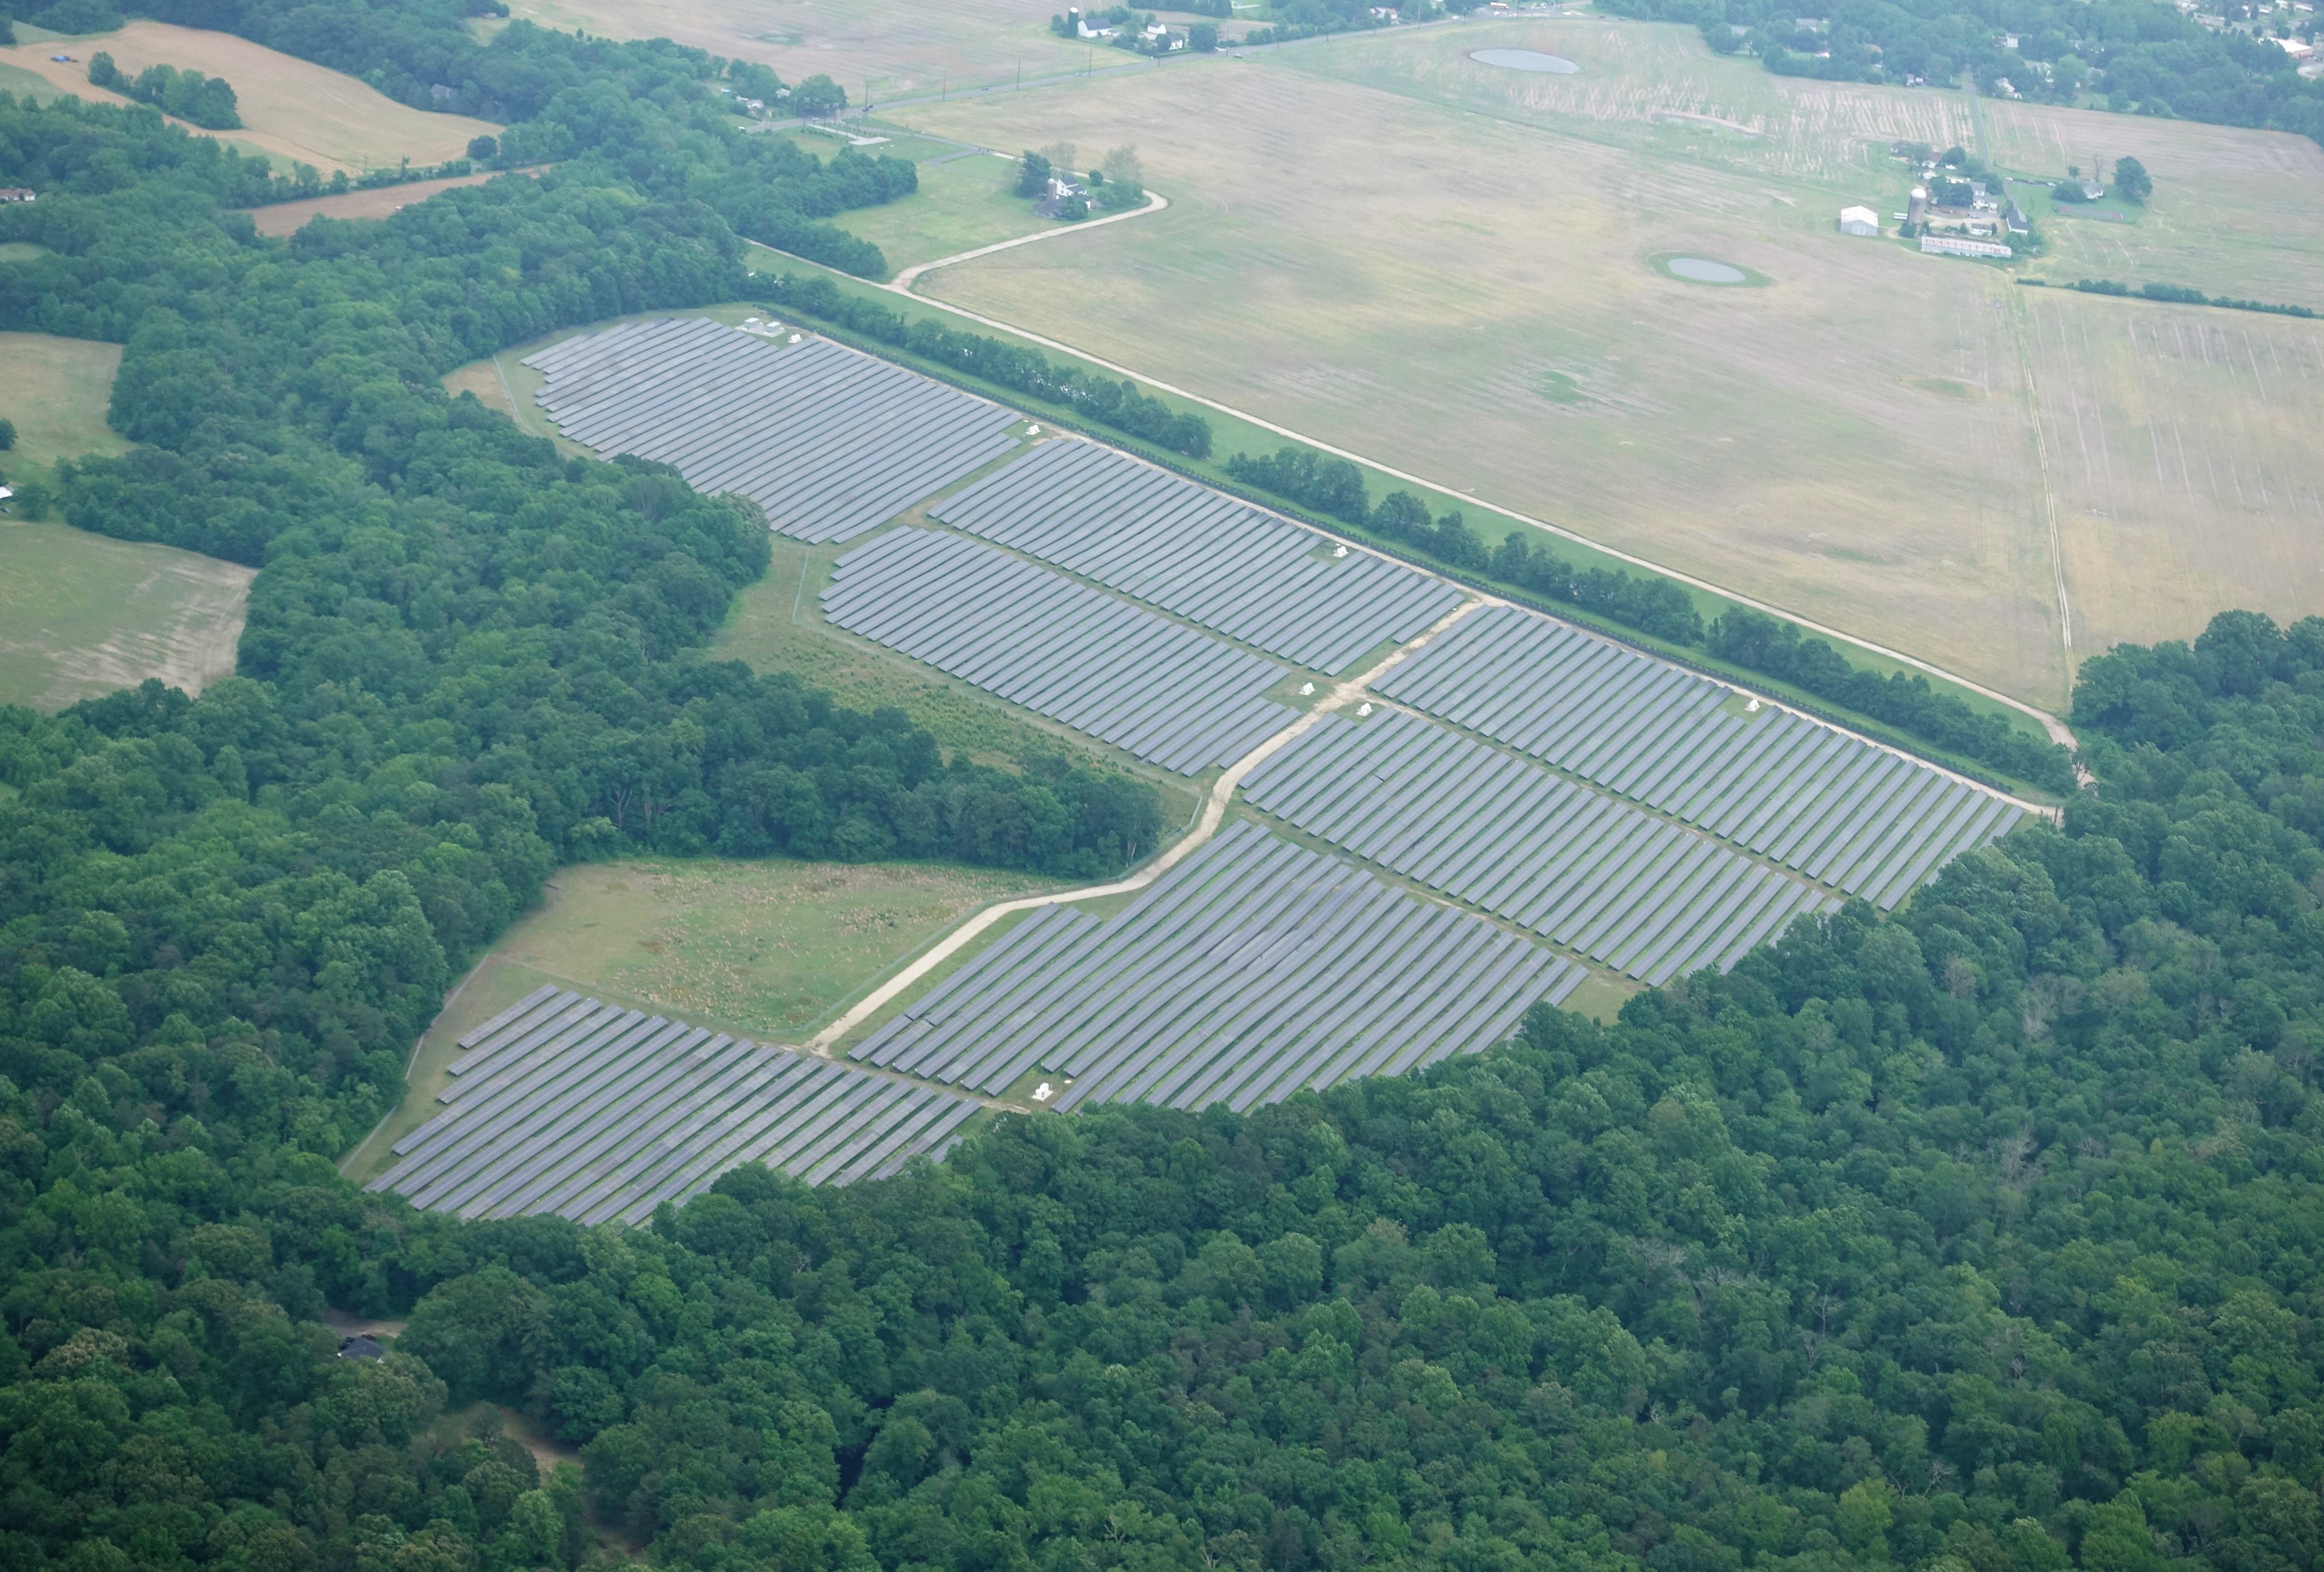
x=891, y=49
x=1449, y=268
x=281, y=219
x=291, y=109
x=1851, y=442
x=2181, y=446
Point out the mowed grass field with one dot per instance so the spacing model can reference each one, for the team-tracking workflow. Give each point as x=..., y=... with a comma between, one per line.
x=765, y=950
x=1869, y=441
x=963, y=202
x=291, y=109
x=1471, y=297
x=80, y=614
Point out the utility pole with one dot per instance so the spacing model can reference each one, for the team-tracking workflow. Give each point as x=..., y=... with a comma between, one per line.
x=1020, y=73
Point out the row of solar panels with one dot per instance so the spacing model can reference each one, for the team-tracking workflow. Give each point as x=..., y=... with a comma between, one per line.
x=1833, y=806
x=1254, y=968
x=1219, y=562
x=586, y=1111
x=1586, y=871
x=829, y=443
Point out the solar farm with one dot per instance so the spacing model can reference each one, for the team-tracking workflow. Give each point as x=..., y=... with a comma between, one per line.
x=1432, y=810
x=564, y=1105
x=1585, y=871
x=1865, y=821
x=1220, y=563
x=829, y=443
x=1251, y=970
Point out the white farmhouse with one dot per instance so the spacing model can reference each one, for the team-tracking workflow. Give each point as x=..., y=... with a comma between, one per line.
x=1858, y=221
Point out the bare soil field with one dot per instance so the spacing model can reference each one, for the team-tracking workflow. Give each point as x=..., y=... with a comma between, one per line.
x=291, y=109
x=887, y=48
x=1500, y=329
x=283, y=219
x=2182, y=454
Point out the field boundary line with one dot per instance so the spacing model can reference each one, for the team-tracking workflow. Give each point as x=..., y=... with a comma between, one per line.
x=2019, y=322
x=2056, y=728
x=1213, y=814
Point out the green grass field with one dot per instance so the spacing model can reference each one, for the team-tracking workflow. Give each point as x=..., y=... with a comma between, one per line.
x=767, y=950
x=962, y=204
x=1864, y=442
x=80, y=614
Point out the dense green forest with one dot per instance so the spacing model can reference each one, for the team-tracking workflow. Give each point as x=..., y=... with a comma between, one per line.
x=2141, y=56
x=1978, y=1238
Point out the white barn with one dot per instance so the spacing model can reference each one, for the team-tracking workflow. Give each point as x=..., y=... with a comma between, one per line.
x=1858, y=221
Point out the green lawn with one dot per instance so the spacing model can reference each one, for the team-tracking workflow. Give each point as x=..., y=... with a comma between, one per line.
x=963, y=203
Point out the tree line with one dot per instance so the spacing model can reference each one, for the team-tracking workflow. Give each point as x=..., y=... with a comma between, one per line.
x=2141, y=56
x=1116, y=404
x=1661, y=608
x=207, y=102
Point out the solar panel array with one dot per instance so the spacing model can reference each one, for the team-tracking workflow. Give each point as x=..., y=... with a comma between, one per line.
x=1219, y=562
x=1576, y=866
x=829, y=443
x=589, y=1111
x=1153, y=687
x=1829, y=804
x=1253, y=969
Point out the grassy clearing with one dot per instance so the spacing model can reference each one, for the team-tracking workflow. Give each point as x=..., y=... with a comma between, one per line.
x=768, y=949
x=2234, y=212
x=81, y=615
x=291, y=109
x=57, y=391
x=962, y=204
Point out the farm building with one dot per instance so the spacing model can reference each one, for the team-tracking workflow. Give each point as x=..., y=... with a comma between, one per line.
x=18, y=194
x=1858, y=221
x=1954, y=245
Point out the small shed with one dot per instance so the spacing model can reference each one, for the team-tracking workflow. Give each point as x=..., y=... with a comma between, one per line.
x=1858, y=221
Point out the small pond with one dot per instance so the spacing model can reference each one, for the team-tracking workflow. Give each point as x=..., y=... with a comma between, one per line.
x=1524, y=59
x=1701, y=271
